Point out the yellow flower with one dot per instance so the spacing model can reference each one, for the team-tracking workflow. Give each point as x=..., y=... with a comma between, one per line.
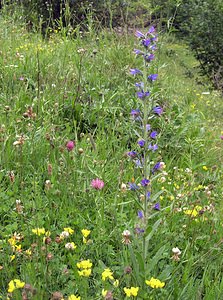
x=205, y=168
x=12, y=241
x=85, y=232
x=12, y=257
x=18, y=248
x=107, y=274
x=73, y=297
x=15, y=284
x=155, y=283
x=85, y=272
x=116, y=283
x=19, y=284
x=104, y=292
x=84, y=264
x=69, y=230
x=11, y=287
x=133, y=291
x=38, y=231
x=28, y=252
x=193, y=212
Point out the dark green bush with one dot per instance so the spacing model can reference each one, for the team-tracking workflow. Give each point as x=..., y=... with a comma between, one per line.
x=200, y=22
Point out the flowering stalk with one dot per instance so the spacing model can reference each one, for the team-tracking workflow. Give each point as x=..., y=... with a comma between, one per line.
x=147, y=144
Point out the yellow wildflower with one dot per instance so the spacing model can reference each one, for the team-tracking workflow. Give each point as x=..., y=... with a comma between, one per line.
x=85, y=272
x=38, y=231
x=155, y=283
x=133, y=291
x=12, y=257
x=104, y=293
x=107, y=274
x=69, y=230
x=85, y=232
x=12, y=241
x=73, y=297
x=11, y=287
x=15, y=284
x=116, y=283
x=84, y=264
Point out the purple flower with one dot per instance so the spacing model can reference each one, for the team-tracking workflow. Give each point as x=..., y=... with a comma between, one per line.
x=139, y=230
x=156, y=167
x=140, y=85
x=153, y=47
x=149, y=57
x=153, y=147
x=138, y=52
x=148, y=127
x=156, y=206
x=135, y=113
x=153, y=77
x=141, y=143
x=135, y=71
x=155, y=38
x=132, y=154
x=146, y=42
x=153, y=134
x=70, y=145
x=145, y=182
x=158, y=110
x=138, y=163
x=221, y=137
x=140, y=214
x=139, y=34
x=148, y=195
x=151, y=30
x=142, y=95
x=133, y=186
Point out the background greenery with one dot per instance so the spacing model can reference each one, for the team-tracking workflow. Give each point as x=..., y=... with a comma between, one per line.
x=78, y=85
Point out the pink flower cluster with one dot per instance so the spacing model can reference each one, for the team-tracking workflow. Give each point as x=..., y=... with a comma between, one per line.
x=97, y=184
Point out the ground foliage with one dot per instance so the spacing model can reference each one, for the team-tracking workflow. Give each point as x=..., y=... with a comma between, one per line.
x=65, y=121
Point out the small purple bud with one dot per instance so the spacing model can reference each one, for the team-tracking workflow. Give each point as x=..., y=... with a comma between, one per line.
x=135, y=112
x=135, y=71
x=148, y=195
x=158, y=110
x=153, y=134
x=140, y=214
x=148, y=127
x=153, y=77
x=142, y=95
x=140, y=85
x=151, y=30
x=146, y=42
x=149, y=57
x=156, y=206
x=133, y=186
x=139, y=230
x=141, y=143
x=132, y=154
x=157, y=167
x=145, y=182
x=153, y=147
x=139, y=34
x=138, y=52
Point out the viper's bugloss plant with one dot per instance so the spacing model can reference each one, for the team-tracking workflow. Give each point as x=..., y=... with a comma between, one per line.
x=144, y=155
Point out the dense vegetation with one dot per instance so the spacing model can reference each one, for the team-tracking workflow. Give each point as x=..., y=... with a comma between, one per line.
x=74, y=218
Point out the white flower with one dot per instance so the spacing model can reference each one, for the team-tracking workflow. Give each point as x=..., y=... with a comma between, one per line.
x=176, y=251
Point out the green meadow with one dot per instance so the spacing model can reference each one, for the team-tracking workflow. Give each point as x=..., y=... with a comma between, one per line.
x=75, y=221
